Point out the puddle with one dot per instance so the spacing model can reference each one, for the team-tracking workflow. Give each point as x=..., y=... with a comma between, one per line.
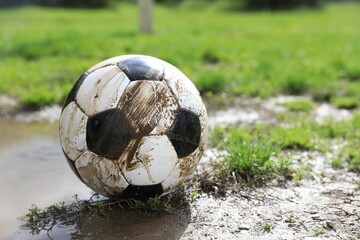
x=120, y=224
x=33, y=171
x=127, y=224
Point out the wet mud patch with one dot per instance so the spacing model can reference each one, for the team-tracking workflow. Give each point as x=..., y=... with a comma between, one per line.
x=130, y=224
x=101, y=218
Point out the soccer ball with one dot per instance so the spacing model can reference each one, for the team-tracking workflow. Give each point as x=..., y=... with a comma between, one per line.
x=133, y=126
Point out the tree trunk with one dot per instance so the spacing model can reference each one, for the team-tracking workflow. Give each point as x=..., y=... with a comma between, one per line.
x=145, y=16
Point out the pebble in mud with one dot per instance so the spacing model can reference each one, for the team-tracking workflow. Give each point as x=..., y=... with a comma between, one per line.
x=244, y=227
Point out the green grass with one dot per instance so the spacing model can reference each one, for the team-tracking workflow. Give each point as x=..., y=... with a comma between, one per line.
x=315, y=52
x=318, y=230
x=299, y=175
x=352, y=156
x=346, y=102
x=300, y=105
x=336, y=163
x=267, y=227
x=297, y=137
x=258, y=152
x=250, y=161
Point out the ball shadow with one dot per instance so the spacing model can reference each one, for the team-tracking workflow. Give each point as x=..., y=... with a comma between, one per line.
x=125, y=223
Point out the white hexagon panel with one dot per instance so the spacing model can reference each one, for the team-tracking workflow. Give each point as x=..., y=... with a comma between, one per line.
x=101, y=174
x=153, y=161
x=73, y=131
x=101, y=90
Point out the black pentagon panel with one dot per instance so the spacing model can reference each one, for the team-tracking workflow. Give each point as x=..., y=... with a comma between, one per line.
x=142, y=68
x=72, y=94
x=72, y=166
x=185, y=133
x=143, y=192
x=108, y=133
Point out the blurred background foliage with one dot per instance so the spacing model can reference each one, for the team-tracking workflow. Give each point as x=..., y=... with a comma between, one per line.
x=56, y=3
x=229, y=4
x=226, y=53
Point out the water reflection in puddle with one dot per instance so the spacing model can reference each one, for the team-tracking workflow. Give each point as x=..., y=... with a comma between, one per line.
x=33, y=171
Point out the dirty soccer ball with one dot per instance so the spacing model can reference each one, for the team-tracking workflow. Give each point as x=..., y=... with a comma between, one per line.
x=133, y=126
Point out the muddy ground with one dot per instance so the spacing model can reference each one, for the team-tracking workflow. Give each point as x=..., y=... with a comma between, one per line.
x=323, y=205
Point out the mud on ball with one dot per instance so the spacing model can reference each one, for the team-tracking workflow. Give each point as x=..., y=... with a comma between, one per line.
x=133, y=126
